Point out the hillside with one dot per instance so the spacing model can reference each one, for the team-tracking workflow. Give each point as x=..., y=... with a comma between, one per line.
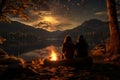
x=95, y=31
x=19, y=27
x=19, y=37
x=23, y=38
x=14, y=68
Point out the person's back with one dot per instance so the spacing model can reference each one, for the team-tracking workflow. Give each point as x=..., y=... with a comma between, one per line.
x=81, y=47
x=68, y=48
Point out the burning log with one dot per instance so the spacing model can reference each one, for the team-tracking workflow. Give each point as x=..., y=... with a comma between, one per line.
x=55, y=61
x=76, y=62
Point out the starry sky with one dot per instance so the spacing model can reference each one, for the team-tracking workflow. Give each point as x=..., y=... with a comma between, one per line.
x=61, y=15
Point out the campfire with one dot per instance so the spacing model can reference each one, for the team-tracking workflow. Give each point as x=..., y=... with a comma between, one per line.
x=53, y=56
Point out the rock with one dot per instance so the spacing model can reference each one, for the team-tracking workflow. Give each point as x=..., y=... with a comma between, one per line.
x=2, y=40
x=2, y=52
x=98, y=50
x=9, y=60
x=16, y=68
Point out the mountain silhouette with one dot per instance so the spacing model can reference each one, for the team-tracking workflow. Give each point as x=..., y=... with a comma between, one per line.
x=19, y=27
x=95, y=31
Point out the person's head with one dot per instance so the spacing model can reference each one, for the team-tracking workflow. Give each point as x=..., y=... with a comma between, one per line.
x=67, y=39
x=80, y=37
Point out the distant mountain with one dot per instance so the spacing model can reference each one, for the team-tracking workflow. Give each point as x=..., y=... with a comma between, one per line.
x=95, y=31
x=20, y=36
x=88, y=27
x=92, y=25
x=19, y=27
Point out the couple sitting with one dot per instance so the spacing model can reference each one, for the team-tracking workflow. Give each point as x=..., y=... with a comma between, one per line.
x=71, y=50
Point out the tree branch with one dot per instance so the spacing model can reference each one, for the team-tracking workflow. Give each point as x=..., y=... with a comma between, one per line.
x=2, y=4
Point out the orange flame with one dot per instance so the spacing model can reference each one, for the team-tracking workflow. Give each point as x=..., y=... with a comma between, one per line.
x=53, y=56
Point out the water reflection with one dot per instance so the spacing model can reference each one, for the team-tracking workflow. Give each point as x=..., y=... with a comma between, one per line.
x=40, y=53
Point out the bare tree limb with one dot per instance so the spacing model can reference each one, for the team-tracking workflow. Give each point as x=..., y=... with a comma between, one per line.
x=2, y=4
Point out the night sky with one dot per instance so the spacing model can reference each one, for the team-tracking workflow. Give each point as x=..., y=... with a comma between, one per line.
x=55, y=15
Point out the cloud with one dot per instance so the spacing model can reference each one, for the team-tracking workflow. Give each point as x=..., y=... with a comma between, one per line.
x=52, y=27
x=44, y=25
x=48, y=18
x=99, y=13
x=42, y=5
x=36, y=17
x=52, y=22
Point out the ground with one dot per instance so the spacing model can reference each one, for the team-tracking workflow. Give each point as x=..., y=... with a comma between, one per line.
x=31, y=71
x=13, y=68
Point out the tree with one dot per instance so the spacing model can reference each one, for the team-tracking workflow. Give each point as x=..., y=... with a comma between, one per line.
x=114, y=29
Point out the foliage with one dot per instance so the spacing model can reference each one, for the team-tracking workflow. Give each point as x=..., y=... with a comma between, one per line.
x=19, y=8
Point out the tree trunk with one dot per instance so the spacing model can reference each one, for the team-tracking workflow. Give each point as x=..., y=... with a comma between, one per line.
x=113, y=26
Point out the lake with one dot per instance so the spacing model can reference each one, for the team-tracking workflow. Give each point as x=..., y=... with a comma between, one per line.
x=43, y=53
